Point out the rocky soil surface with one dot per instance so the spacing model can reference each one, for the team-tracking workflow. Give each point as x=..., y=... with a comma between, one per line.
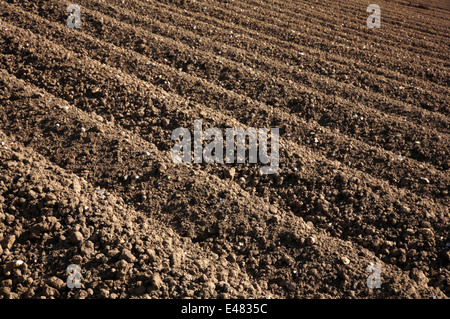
x=87, y=178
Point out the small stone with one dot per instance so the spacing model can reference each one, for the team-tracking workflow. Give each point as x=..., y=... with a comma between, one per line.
x=323, y=206
x=5, y=291
x=152, y=257
x=87, y=248
x=50, y=291
x=56, y=282
x=209, y=286
x=128, y=256
x=275, y=219
x=7, y=283
x=156, y=281
x=121, y=264
x=418, y=276
x=345, y=260
x=76, y=237
x=32, y=194
x=311, y=240
x=176, y=259
x=404, y=210
x=76, y=186
x=113, y=252
x=425, y=224
x=104, y=293
x=8, y=242
x=426, y=232
x=288, y=260
x=82, y=294
x=9, y=219
x=95, y=90
x=165, y=122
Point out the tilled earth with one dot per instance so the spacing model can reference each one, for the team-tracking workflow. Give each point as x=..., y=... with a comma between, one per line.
x=87, y=178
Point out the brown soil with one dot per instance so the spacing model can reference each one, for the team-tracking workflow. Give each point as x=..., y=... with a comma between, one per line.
x=86, y=175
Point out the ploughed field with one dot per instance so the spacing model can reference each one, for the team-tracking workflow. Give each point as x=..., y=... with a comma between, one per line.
x=87, y=177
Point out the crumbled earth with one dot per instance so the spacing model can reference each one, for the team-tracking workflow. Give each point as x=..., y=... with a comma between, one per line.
x=87, y=178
